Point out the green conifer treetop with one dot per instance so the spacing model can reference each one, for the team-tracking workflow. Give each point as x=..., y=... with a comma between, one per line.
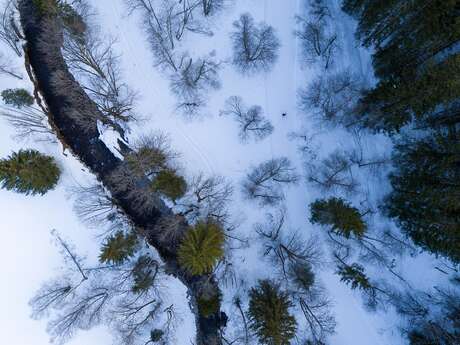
x=17, y=97
x=343, y=218
x=269, y=315
x=202, y=247
x=168, y=183
x=118, y=248
x=425, y=200
x=29, y=172
x=355, y=276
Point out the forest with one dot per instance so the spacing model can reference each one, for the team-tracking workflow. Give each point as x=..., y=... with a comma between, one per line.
x=261, y=172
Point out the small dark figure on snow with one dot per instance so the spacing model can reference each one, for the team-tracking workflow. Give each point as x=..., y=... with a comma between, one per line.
x=283, y=114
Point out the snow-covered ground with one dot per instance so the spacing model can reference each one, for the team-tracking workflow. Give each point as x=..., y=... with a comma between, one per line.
x=209, y=144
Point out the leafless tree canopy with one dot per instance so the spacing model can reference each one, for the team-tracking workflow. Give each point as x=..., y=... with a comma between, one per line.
x=251, y=121
x=265, y=182
x=151, y=154
x=333, y=173
x=295, y=259
x=285, y=249
x=6, y=67
x=166, y=24
x=28, y=121
x=319, y=10
x=96, y=209
x=84, y=297
x=331, y=99
x=194, y=79
x=317, y=43
x=92, y=59
x=211, y=7
x=9, y=29
x=255, y=46
x=207, y=197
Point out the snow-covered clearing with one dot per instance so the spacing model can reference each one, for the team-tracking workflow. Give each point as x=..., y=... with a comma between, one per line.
x=208, y=144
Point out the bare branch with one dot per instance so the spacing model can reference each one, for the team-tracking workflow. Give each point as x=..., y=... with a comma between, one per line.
x=251, y=121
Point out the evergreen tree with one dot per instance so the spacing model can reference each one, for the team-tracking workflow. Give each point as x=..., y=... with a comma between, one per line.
x=29, y=172
x=201, y=248
x=118, y=248
x=171, y=185
x=339, y=215
x=355, y=276
x=269, y=314
x=425, y=200
x=17, y=97
x=394, y=103
x=415, y=58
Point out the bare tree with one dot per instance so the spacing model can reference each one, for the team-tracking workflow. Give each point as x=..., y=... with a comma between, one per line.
x=316, y=307
x=331, y=99
x=285, y=250
x=150, y=155
x=96, y=208
x=210, y=7
x=9, y=29
x=92, y=59
x=319, y=9
x=6, y=67
x=251, y=121
x=28, y=121
x=255, y=46
x=166, y=24
x=295, y=258
x=333, y=173
x=193, y=79
x=316, y=43
x=264, y=183
x=85, y=297
x=207, y=197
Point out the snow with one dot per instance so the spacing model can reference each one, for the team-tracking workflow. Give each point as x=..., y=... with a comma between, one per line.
x=208, y=144
x=110, y=138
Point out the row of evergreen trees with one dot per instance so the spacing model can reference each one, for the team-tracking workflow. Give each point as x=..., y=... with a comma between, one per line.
x=417, y=61
x=416, y=100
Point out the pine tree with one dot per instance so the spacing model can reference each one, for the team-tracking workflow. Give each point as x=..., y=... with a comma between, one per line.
x=414, y=58
x=118, y=248
x=355, y=276
x=29, y=172
x=425, y=200
x=339, y=215
x=168, y=183
x=17, y=97
x=201, y=248
x=269, y=315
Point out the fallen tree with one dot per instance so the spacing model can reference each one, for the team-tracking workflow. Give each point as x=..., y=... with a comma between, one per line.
x=66, y=103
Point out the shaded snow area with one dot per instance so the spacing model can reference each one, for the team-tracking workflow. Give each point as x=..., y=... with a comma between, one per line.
x=209, y=143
